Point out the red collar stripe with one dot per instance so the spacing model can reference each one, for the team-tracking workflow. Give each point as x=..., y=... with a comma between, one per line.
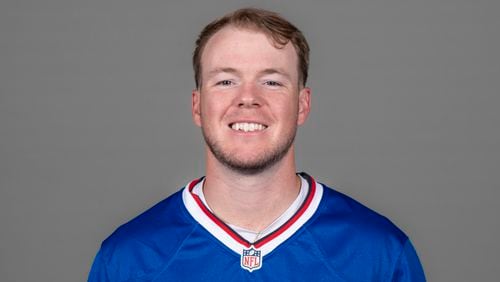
x=215, y=219
x=298, y=214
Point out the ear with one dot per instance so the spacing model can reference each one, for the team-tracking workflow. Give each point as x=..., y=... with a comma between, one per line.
x=196, y=107
x=304, y=105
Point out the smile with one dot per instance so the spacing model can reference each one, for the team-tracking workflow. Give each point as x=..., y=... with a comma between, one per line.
x=247, y=126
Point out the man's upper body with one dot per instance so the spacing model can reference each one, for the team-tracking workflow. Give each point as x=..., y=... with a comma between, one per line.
x=252, y=217
x=328, y=237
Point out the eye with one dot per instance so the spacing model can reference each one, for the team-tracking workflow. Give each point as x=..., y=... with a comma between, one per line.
x=273, y=83
x=225, y=83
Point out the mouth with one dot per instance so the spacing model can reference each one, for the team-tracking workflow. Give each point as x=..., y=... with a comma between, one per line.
x=247, y=126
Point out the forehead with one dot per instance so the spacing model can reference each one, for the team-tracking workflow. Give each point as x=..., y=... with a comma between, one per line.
x=247, y=49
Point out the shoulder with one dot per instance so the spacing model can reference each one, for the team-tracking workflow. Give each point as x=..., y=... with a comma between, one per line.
x=342, y=210
x=354, y=239
x=146, y=242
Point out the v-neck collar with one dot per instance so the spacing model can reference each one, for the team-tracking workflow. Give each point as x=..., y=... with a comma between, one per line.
x=227, y=236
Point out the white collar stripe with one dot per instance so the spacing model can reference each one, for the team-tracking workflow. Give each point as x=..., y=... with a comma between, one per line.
x=206, y=222
x=293, y=219
x=219, y=222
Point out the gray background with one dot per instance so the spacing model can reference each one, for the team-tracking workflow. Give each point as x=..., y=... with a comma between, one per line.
x=95, y=122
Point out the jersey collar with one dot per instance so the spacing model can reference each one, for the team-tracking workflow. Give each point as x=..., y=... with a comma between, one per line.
x=233, y=240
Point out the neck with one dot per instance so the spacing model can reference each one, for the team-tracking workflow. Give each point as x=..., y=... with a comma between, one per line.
x=251, y=201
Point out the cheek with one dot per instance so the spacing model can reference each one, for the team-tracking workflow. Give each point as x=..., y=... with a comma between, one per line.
x=212, y=109
x=287, y=115
x=290, y=109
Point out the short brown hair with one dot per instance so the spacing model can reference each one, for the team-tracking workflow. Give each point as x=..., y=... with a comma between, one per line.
x=272, y=24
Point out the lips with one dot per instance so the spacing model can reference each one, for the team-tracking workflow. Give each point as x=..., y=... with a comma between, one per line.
x=247, y=126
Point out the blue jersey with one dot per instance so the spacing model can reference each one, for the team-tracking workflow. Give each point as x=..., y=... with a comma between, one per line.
x=331, y=237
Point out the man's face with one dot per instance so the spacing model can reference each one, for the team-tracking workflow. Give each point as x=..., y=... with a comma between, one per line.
x=249, y=103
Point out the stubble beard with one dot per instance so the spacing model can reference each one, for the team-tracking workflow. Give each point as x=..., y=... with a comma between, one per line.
x=266, y=160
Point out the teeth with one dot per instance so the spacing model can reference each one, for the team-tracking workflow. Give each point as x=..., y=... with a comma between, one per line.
x=246, y=126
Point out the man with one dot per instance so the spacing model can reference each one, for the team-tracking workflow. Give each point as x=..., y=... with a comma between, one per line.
x=252, y=217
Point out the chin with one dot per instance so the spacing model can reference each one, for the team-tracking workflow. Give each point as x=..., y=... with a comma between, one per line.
x=244, y=159
x=253, y=164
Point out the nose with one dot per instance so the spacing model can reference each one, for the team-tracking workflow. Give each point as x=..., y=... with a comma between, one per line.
x=249, y=96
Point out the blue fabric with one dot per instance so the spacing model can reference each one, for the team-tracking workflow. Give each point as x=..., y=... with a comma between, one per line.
x=343, y=241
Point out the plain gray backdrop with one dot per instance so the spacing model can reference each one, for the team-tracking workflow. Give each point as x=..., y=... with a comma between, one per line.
x=95, y=123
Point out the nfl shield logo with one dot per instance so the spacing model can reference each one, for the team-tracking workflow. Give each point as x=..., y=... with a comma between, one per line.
x=251, y=259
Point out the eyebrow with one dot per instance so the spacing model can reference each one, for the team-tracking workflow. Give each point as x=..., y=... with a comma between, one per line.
x=262, y=72
x=276, y=71
x=222, y=70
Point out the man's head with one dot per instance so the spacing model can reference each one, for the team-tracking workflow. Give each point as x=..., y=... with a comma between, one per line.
x=250, y=98
x=279, y=30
